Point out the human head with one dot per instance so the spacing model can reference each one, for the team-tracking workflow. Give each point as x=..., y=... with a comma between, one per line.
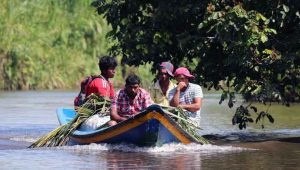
x=183, y=71
x=132, y=85
x=168, y=67
x=183, y=74
x=107, y=65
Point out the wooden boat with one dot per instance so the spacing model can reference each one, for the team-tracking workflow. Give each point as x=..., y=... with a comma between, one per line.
x=152, y=127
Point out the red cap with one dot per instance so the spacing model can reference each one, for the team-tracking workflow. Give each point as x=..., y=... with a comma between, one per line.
x=183, y=71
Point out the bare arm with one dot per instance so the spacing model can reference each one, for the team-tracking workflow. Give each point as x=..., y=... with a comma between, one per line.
x=197, y=104
x=175, y=100
x=115, y=116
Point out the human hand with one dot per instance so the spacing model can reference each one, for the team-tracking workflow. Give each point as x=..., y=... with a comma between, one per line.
x=128, y=116
x=181, y=86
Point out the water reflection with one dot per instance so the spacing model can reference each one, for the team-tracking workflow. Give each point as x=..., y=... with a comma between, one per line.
x=174, y=156
x=146, y=161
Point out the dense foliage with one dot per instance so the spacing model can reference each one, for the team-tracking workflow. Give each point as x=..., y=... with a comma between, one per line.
x=49, y=44
x=252, y=46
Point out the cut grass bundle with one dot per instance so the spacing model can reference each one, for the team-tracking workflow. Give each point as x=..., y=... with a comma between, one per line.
x=59, y=136
x=181, y=118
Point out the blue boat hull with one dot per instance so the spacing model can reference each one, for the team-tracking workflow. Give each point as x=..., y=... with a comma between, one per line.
x=152, y=127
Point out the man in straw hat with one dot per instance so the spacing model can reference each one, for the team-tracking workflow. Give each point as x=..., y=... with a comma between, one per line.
x=186, y=95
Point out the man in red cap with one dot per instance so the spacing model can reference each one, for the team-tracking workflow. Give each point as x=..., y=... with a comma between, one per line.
x=186, y=95
x=160, y=89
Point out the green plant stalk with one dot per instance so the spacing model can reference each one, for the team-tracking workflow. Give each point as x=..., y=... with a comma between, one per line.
x=184, y=122
x=59, y=136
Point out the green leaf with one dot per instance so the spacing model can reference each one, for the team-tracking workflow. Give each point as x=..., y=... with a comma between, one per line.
x=138, y=46
x=267, y=51
x=270, y=30
x=241, y=126
x=271, y=119
x=283, y=14
x=263, y=38
x=250, y=120
x=124, y=21
x=261, y=115
x=298, y=14
x=285, y=8
x=254, y=109
x=156, y=38
x=257, y=90
x=201, y=25
x=215, y=15
x=260, y=16
x=234, y=120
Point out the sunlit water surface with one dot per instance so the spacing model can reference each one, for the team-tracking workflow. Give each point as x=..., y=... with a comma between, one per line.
x=25, y=116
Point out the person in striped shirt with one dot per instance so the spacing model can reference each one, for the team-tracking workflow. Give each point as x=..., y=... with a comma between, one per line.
x=186, y=95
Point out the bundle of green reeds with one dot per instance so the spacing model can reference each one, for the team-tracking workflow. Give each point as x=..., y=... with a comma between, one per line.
x=180, y=116
x=94, y=105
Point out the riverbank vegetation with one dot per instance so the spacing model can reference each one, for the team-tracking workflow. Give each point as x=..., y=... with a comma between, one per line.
x=51, y=44
x=48, y=44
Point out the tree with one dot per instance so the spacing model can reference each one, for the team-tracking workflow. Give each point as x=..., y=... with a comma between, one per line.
x=252, y=46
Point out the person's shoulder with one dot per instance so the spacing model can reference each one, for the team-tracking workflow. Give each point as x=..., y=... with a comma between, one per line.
x=154, y=85
x=98, y=80
x=173, y=90
x=196, y=89
x=120, y=92
x=142, y=90
x=172, y=84
x=195, y=85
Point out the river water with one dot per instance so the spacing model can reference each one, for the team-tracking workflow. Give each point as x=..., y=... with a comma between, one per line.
x=25, y=116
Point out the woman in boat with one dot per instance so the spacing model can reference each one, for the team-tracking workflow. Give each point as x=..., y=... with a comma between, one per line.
x=186, y=95
x=129, y=101
x=160, y=89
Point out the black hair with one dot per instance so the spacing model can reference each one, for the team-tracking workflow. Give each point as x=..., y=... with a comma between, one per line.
x=132, y=80
x=107, y=62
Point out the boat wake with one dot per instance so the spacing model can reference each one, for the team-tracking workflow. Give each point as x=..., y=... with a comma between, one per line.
x=285, y=135
x=164, y=149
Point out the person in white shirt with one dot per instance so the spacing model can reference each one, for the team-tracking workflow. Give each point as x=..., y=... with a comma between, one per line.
x=186, y=95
